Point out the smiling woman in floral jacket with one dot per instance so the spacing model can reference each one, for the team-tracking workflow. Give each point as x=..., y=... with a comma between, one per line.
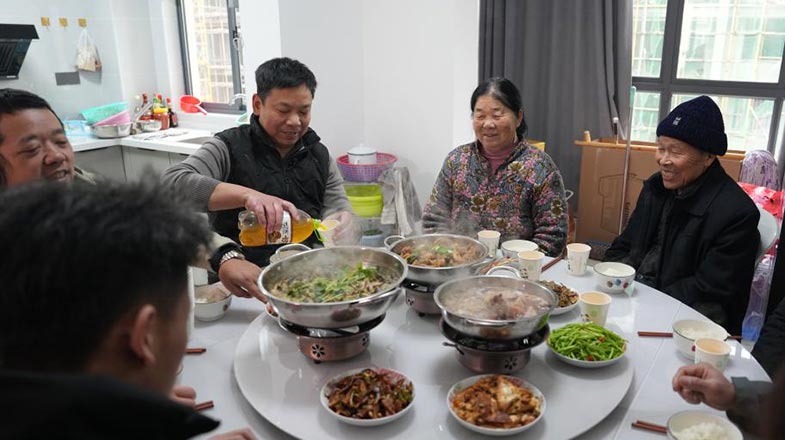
x=499, y=181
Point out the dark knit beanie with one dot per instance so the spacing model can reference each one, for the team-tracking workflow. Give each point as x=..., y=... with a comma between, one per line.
x=697, y=122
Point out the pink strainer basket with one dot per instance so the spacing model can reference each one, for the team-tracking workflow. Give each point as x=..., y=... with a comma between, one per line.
x=365, y=172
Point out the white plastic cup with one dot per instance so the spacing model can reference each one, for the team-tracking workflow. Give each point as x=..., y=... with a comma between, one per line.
x=594, y=307
x=530, y=263
x=328, y=233
x=713, y=352
x=490, y=239
x=577, y=258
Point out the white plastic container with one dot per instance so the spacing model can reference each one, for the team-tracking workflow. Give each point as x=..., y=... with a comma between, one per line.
x=362, y=155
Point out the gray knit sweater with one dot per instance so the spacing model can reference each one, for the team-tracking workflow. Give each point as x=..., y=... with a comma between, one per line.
x=199, y=174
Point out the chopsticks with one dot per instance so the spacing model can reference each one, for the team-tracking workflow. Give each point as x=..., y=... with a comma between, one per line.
x=640, y=424
x=204, y=405
x=195, y=350
x=552, y=262
x=645, y=334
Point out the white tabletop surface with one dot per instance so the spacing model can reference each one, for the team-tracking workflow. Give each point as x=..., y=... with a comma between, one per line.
x=650, y=397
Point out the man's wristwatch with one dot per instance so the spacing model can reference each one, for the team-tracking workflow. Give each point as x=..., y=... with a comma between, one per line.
x=230, y=255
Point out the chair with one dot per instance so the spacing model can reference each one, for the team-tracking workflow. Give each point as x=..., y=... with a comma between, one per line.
x=768, y=230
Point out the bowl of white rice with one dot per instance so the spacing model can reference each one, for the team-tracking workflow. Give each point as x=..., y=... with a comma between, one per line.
x=687, y=331
x=700, y=425
x=614, y=277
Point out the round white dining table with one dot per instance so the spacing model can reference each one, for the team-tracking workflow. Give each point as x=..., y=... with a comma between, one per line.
x=649, y=398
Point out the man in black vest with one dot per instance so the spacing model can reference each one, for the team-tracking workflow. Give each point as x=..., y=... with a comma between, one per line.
x=275, y=164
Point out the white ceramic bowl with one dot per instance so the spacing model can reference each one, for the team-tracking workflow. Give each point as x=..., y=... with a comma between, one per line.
x=211, y=311
x=614, y=277
x=683, y=329
x=494, y=431
x=328, y=387
x=510, y=248
x=685, y=419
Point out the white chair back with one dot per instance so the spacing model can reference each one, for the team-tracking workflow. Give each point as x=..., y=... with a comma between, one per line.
x=768, y=230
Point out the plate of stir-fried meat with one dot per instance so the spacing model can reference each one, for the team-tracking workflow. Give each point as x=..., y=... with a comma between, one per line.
x=495, y=404
x=368, y=396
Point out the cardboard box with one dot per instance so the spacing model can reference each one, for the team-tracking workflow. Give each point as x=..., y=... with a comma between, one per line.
x=602, y=169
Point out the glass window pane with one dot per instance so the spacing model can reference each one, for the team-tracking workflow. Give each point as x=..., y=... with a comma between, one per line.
x=780, y=130
x=647, y=29
x=209, y=51
x=732, y=40
x=747, y=120
x=645, y=116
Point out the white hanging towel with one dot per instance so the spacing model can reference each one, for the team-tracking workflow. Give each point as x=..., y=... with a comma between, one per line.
x=401, y=205
x=86, y=53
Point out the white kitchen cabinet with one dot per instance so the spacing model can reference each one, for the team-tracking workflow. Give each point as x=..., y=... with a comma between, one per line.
x=105, y=162
x=138, y=160
x=175, y=158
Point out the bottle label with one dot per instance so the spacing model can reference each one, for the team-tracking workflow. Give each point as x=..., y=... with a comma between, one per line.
x=284, y=233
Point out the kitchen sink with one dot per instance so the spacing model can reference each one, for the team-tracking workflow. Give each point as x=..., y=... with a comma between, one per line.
x=197, y=140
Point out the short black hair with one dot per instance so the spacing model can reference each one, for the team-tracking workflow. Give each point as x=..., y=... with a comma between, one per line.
x=77, y=258
x=12, y=101
x=505, y=91
x=283, y=73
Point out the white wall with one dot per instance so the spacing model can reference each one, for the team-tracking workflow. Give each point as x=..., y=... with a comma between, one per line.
x=395, y=75
x=420, y=70
x=55, y=51
x=328, y=38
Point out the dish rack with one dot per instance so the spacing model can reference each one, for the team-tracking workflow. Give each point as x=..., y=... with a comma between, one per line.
x=365, y=172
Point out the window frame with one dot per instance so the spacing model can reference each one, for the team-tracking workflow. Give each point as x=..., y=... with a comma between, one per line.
x=235, y=52
x=667, y=84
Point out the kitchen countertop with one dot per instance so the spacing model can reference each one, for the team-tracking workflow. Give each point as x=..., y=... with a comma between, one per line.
x=170, y=141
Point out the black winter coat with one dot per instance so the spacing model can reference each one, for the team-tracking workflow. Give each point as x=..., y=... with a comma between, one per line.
x=709, y=247
x=89, y=407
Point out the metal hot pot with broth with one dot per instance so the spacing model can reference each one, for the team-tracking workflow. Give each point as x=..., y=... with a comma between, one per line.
x=431, y=259
x=493, y=322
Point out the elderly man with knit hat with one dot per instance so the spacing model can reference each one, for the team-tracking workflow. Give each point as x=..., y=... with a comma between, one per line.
x=693, y=234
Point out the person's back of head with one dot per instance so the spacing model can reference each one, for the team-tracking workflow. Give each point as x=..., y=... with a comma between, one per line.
x=283, y=73
x=94, y=280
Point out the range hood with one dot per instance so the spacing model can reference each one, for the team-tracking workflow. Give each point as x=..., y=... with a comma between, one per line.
x=14, y=42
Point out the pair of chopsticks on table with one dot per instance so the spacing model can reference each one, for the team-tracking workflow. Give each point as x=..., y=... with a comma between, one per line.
x=670, y=335
x=204, y=405
x=552, y=262
x=640, y=424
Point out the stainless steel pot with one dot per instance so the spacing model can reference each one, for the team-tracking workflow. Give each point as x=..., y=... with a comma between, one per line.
x=112, y=131
x=438, y=275
x=488, y=328
x=330, y=260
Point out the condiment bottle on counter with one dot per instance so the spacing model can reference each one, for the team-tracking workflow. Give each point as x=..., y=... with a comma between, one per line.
x=172, y=115
x=252, y=233
x=162, y=114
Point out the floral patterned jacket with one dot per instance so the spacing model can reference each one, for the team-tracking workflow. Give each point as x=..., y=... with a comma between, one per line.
x=524, y=198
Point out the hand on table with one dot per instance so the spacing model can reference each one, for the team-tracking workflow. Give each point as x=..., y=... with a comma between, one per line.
x=704, y=383
x=184, y=395
x=238, y=434
x=269, y=209
x=239, y=277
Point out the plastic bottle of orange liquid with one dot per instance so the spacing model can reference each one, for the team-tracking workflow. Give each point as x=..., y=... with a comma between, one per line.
x=252, y=233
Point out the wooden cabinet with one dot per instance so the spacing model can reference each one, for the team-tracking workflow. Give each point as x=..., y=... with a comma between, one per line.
x=105, y=162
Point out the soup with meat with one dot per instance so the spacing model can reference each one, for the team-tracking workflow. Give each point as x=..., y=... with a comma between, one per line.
x=495, y=303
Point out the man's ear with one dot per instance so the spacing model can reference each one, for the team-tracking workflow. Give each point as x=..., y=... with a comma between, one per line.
x=257, y=103
x=142, y=334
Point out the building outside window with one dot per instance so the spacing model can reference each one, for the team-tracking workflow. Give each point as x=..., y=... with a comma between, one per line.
x=730, y=50
x=212, y=57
